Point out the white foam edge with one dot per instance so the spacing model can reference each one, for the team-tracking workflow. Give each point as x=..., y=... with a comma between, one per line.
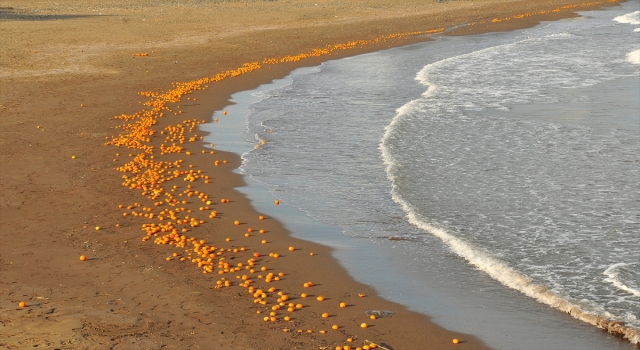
x=629, y=18
x=634, y=57
x=495, y=268
x=612, y=277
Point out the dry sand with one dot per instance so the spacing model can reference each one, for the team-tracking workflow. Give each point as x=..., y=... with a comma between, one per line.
x=68, y=67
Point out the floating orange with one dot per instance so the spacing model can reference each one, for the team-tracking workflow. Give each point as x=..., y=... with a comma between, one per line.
x=83, y=258
x=22, y=304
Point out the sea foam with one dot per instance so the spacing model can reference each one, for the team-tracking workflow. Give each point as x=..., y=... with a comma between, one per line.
x=630, y=18
x=634, y=57
x=613, y=273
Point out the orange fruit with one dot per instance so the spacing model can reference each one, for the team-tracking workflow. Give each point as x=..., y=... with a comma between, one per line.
x=455, y=341
x=343, y=304
x=320, y=298
x=236, y=222
x=260, y=217
x=83, y=258
x=363, y=325
x=335, y=326
x=325, y=315
x=276, y=202
x=291, y=249
x=22, y=304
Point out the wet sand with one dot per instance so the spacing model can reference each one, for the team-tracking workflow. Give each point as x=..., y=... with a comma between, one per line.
x=66, y=70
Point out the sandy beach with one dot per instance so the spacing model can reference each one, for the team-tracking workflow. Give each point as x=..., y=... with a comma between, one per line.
x=100, y=157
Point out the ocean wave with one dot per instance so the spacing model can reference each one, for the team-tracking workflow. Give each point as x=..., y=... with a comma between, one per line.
x=496, y=268
x=630, y=18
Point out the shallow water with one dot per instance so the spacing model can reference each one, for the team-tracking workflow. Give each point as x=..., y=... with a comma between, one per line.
x=443, y=171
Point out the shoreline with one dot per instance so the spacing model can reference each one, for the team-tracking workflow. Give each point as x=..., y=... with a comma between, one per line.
x=180, y=281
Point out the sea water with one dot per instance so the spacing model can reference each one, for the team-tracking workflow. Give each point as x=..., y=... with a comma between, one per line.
x=445, y=172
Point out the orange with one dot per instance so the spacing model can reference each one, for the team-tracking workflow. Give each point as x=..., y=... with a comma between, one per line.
x=260, y=217
x=292, y=249
x=343, y=304
x=335, y=326
x=455, y=341
x=363, y=325
x=236, y=222
x=276, y=202
x=83, y=258
x=320, y=298
x=22, y=304
x=325, y=315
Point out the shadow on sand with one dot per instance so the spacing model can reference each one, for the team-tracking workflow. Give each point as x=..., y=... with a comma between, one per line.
x=12, y=14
